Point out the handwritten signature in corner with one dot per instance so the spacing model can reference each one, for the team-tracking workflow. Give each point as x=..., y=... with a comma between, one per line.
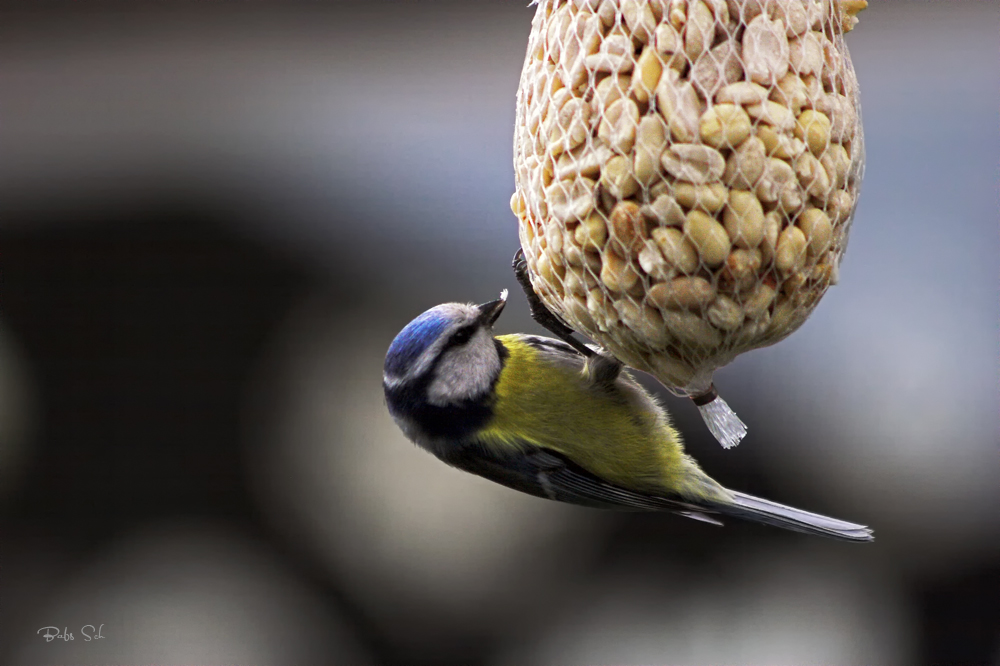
x=88, y=631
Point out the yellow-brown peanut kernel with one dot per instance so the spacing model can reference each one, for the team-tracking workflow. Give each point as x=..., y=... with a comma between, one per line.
x=813, y=127
x=708, y=236
x=724, y=313
x=592, y=234
x=693, y=163
x=709, y=198
x=744, y=219
x=676, y=249
x=665, y=210
x=724, y=126
x=682, y=293
x=790, y=255
x=818, y=230
x=628, y=228
x=617, y=274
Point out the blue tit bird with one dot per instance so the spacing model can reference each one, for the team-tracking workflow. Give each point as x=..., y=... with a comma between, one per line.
x=557, y=420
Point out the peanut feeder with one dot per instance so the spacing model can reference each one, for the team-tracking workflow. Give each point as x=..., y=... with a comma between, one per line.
x=686, y=173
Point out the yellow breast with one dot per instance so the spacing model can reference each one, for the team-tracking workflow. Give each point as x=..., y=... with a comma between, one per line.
x=617, y=433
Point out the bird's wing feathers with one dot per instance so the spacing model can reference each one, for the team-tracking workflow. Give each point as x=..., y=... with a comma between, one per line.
x=553, y=350
x=524, y=465
x=550, y=475
x=557, y=348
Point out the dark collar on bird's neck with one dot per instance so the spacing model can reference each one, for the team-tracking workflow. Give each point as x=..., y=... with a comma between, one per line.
x=455, y=421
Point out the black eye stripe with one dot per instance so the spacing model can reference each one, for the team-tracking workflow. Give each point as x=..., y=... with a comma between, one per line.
x=461, y=336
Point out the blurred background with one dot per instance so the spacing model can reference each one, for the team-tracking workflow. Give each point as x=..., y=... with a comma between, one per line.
x=215, y=217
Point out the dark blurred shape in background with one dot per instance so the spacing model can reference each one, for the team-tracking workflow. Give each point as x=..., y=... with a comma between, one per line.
x=213, y=221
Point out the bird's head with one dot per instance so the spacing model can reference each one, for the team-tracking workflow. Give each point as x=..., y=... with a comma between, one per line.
x=446, y=356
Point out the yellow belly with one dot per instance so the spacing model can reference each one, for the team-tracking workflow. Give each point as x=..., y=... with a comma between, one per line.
x=618, y=434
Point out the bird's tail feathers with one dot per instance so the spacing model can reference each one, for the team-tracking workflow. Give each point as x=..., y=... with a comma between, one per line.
x=778, y=515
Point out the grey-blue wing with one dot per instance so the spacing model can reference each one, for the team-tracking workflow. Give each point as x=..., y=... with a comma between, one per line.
x=602, y=369
x=550, y=475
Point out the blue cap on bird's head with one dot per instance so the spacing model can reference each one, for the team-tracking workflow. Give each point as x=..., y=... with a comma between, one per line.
x=411, y=342
x=435, y=324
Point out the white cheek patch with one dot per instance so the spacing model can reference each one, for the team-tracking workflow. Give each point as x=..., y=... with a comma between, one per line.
x=465, y=373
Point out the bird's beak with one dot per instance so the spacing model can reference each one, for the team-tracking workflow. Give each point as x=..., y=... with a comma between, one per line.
x=490, y=312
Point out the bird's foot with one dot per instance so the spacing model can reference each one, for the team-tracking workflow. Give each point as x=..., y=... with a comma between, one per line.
x=541, y=314
x=601, y=367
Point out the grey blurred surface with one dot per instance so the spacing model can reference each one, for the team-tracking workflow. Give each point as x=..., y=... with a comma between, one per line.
x=213, y=221
x=793, y=604
x=183, y=594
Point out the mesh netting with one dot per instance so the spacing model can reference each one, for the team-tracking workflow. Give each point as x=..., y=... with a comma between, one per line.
x=686, y=172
